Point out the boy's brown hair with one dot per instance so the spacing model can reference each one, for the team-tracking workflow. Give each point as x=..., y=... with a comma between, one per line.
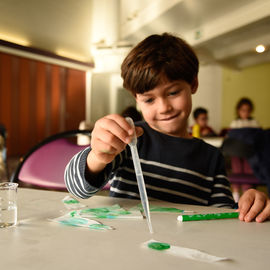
x=156, y=58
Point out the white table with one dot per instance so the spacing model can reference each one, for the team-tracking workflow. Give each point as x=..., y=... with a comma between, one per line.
x=37, y=243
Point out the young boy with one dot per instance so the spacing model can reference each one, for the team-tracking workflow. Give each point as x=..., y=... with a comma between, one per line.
x=161, y=72
x=201, y=128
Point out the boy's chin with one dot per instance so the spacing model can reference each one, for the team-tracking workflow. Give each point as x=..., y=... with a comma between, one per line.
x=176, y=132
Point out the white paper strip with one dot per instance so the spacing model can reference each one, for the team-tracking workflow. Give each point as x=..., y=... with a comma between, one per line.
x=188, y=253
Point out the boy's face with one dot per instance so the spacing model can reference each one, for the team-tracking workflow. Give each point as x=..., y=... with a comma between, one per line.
x=166, y=108
x=202, y=120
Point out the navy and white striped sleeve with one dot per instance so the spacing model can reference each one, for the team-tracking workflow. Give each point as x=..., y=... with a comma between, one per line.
x=78, y=182
x=75, y=176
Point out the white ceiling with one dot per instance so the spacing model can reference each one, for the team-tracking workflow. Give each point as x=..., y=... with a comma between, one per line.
x=223, y=31
x=52, y=25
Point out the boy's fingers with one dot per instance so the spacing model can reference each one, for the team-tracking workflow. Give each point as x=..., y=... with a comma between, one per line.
x=117, y=126
x=245, y=203
x=253, y=203
x=121, y=121
x=256, y=208
x=110, y=143
x=139, y=131
x=265, y=213
x=100, y=146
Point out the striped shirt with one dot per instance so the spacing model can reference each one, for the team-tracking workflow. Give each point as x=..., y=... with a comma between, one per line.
x=177, y=170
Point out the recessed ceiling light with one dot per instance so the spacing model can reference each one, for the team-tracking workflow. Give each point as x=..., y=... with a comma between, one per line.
x=260, y=49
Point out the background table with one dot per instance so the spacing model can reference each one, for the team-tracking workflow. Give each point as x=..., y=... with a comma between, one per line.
x=215, y=141
x=37, y=243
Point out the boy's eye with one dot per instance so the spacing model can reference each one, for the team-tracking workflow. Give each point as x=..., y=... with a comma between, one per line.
x=148, y=100
x=173, y=93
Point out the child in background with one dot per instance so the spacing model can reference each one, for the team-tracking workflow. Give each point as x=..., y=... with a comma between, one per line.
x=244, y=109
x=201, y=128
x=161, y=72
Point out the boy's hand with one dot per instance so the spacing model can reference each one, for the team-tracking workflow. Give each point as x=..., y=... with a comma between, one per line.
x=254, y=204
x=109, y=137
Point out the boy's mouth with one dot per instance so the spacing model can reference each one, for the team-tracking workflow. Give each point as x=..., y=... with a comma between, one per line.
x=168, y=118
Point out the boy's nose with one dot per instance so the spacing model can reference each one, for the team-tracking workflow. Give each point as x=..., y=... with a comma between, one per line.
x=164, y=106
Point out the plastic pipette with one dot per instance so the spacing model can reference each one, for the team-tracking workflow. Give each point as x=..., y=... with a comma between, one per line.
x=139, y=176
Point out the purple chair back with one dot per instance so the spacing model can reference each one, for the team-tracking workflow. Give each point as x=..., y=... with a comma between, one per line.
x=44, y=165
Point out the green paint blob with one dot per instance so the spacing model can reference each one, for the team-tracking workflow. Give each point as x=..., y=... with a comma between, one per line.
x=73, y=213
x=159, y=245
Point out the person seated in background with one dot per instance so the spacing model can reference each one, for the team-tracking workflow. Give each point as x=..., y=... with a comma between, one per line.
x=201, y=128
x=133, y=113
x=244, y=109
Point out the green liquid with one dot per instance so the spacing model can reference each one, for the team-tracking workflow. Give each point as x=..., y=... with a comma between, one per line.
x=159, y=245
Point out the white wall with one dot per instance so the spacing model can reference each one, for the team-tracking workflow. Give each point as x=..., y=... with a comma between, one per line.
x=209, y=94
x=107, y=94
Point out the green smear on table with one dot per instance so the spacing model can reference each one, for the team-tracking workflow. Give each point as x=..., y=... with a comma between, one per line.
x=110, y=212
x=99, y=227
x=95, y=210
x=71, y=201
x=73, y=221
x=158, y=245
x=165, y=209
x=153, y=208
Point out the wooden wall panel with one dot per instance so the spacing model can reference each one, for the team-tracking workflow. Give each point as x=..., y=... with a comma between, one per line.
x=75, y=99
x=38, y=100
x=5, y=93
x=41, y=101
x=14, y=131
x=55, y=99
x=24, y=117
x=33, y=104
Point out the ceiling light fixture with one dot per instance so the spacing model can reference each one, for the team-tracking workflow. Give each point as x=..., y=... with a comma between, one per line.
x=71, y=55
x=260, y=48
x=13, y=39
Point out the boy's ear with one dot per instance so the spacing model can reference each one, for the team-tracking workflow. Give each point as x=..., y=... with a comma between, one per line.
x=194, y=85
